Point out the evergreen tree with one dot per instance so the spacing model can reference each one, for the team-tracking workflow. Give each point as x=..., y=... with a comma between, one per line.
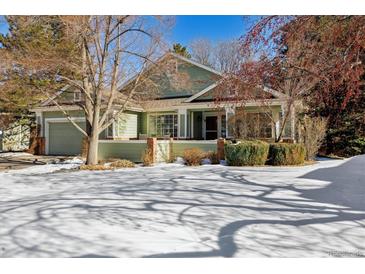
x=181, y=50
x=24, y=72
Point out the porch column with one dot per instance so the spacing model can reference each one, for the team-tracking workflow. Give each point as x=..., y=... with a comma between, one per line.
x=230, y=112
x=182, y=123
x=276, y=128
x=292, y=123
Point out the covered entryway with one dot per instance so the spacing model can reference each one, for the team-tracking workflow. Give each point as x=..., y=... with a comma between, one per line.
x=207, y=125
x=63, y=138
x=211, y=127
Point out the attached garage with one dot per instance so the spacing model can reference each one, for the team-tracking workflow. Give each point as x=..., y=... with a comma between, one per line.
x=63, y=138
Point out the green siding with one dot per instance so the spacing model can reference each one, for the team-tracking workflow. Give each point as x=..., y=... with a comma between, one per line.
x=128, y=150
x=59, y=114
x=64, y=139
x=190, y=79
x=197, y=79
x=178, y=148
x=129, y=128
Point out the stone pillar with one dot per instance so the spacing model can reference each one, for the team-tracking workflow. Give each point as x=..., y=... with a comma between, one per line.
x=152, y=147
x=34, y=133
x=220, y=149
x=84, y=147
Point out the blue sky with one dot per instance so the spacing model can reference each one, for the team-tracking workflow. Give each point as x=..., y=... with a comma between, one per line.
x=213, y=27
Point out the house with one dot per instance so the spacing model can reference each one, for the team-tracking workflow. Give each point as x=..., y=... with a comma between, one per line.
x=187, y=113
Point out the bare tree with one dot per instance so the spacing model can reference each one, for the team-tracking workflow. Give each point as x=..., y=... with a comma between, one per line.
x=227, y=56
x=109, y=51
x=202, y=51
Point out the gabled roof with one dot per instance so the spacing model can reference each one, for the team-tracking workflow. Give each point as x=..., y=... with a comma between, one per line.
x=201, y=93
x=189, y=97
x=274, y=93
x=194, y=63
x=200, y=77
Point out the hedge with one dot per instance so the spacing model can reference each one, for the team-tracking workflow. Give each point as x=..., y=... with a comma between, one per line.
x=286, y=154
x=246, y=153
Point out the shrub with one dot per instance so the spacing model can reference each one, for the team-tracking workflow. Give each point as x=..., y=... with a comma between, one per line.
x=193, y=156
x=95, y=167
x=213, y=157
x=122, y=163
x=108, y=160
x=356, y=146
x=314, y=131
x=286, y=154
x=246, y=153
x=147, y=157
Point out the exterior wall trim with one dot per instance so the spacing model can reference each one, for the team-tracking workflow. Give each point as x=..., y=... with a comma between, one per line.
x=75, y=107
x=194, y=141
x=200, y=93
x=123, y=141
x=212, y=106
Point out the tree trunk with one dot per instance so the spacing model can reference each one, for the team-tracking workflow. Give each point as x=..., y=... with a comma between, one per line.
x=92, y=153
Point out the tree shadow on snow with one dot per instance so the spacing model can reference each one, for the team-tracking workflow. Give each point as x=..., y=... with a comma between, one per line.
x=119, y=199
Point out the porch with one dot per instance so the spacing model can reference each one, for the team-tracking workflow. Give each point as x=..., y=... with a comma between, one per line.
x=211, y=124
x=187, y=125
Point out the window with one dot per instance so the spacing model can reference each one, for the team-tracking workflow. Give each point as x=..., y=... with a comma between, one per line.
x=259, y=125
x=77, y=96
x=163, y=125
x=253, y=125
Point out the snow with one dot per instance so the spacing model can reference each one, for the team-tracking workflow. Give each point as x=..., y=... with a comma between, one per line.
x=179, y=160
x=206, y=161
x=171, y=210
x=74, y=160
x=48, y=168
x=14, y=154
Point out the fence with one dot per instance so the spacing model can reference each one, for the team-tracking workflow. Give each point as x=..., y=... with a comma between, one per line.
x=163, y=150
x=125, y=149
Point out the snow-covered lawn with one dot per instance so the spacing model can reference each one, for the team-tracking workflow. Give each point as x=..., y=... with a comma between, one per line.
x=177, y=211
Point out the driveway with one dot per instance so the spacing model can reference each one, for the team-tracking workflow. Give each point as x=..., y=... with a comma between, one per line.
x=20, y=160
x=177, y=211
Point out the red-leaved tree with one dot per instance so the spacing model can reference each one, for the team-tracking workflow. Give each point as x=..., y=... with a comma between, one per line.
x=313, y=60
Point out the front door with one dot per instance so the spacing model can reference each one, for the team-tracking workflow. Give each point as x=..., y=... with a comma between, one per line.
x=211, y=127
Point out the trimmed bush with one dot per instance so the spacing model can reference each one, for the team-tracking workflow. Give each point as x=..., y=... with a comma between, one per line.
x=95, y=167
x=193, y=156
x=122, y=163
x=246, y=153
x=213, y=157
x=282, y=154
